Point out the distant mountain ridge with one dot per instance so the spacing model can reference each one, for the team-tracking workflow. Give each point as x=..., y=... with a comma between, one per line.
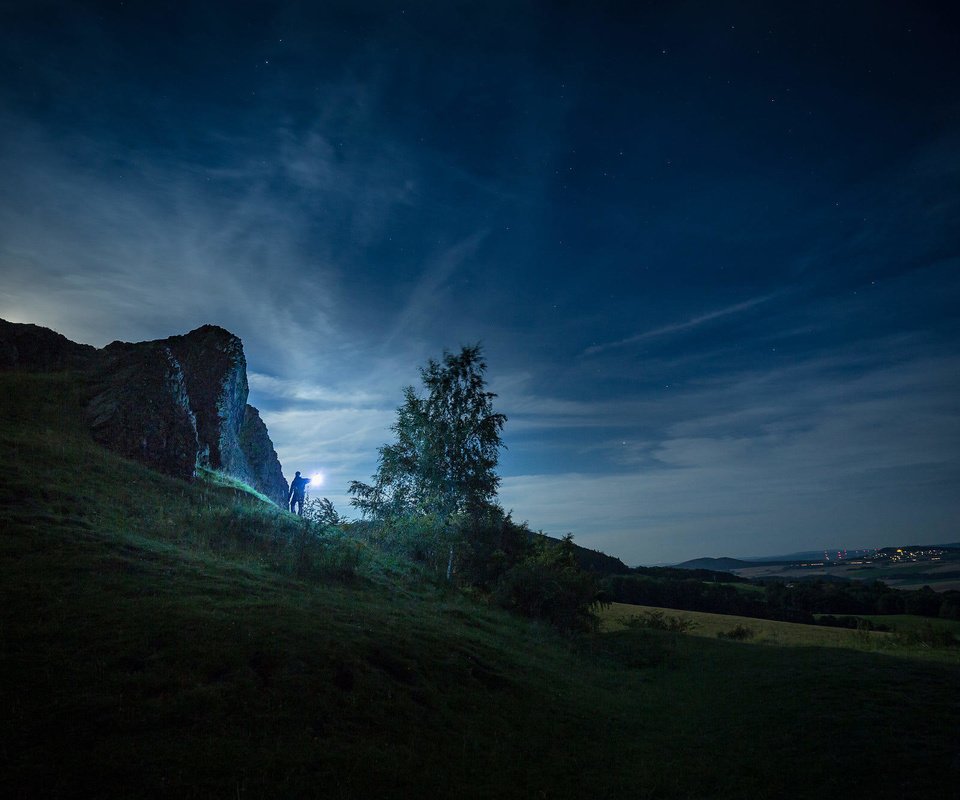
x=177, y=404
x=715, y=564
x=728, y=564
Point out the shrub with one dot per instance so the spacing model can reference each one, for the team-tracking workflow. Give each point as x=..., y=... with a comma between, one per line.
x=333, y=555
x=548, y=585
x=425, y=540
x=488, y=546
x=657, y=620
x=740, y=633
x=321, y=511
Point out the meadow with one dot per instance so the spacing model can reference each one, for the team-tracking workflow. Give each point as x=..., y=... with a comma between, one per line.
x=905, y=639
x=165, y=639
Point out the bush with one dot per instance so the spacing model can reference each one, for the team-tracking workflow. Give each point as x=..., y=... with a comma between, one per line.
x=335, y=554
x=657, y=620
x=488, y=546
x=424, y=540
x=548, y=585
x=738, y=634
x=321, y=511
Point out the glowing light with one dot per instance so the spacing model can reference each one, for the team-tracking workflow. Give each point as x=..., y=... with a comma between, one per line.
x=316, y=479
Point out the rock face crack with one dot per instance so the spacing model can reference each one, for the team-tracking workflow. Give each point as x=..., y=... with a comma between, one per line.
x=175, y=404
x=215, y=371
x=141, y=410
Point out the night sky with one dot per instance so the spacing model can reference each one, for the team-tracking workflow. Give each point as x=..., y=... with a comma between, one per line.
x=712, y=250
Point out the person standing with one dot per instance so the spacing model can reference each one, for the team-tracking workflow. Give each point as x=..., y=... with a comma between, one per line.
x=297, y=488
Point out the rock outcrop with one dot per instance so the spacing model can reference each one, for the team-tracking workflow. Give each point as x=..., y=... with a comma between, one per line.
x=176, y=404
x=215, y=371
x=140, y=408
x=36, y=349
x=260, y=459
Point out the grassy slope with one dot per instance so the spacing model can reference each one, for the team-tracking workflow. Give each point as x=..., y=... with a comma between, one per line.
x=155, y=641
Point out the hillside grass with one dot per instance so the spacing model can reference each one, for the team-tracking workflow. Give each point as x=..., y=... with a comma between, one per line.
x=218, y=478
x=165, y=639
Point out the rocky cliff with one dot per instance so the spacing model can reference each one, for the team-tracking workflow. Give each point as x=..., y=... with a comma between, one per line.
x=176, y=404
x=36, y=349
x=139, y=407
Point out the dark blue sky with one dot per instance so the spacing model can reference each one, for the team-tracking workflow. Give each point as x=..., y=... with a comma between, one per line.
x=711, y=249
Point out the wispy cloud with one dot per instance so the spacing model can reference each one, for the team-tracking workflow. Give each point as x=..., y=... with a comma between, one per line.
x=693, y=322
x=145, y=250
x=299, y=390
x=849, y=448
x=99, y=242
x=428, y=295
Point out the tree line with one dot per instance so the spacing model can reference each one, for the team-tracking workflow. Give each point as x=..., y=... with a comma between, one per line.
x=798, y=601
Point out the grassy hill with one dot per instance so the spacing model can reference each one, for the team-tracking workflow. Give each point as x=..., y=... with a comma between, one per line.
x=164, y=639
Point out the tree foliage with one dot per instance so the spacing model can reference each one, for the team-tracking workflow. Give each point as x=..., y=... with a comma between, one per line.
x=547, y=584
x=443, y=462
x=322, y=511
x=433, y=499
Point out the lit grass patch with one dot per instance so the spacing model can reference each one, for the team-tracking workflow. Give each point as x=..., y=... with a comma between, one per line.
x=218, y=478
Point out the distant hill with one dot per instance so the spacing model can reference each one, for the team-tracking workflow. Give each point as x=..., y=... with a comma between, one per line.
x=727, y=564
x=598, y=562
x=805, y=555
x=715, y=564
x=592, y=560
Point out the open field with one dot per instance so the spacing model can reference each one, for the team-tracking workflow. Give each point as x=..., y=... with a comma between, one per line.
x=765, y=631
x=790, y=634
x=160, y=639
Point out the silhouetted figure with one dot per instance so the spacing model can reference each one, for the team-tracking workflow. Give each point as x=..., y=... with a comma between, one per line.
x=297, y=487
